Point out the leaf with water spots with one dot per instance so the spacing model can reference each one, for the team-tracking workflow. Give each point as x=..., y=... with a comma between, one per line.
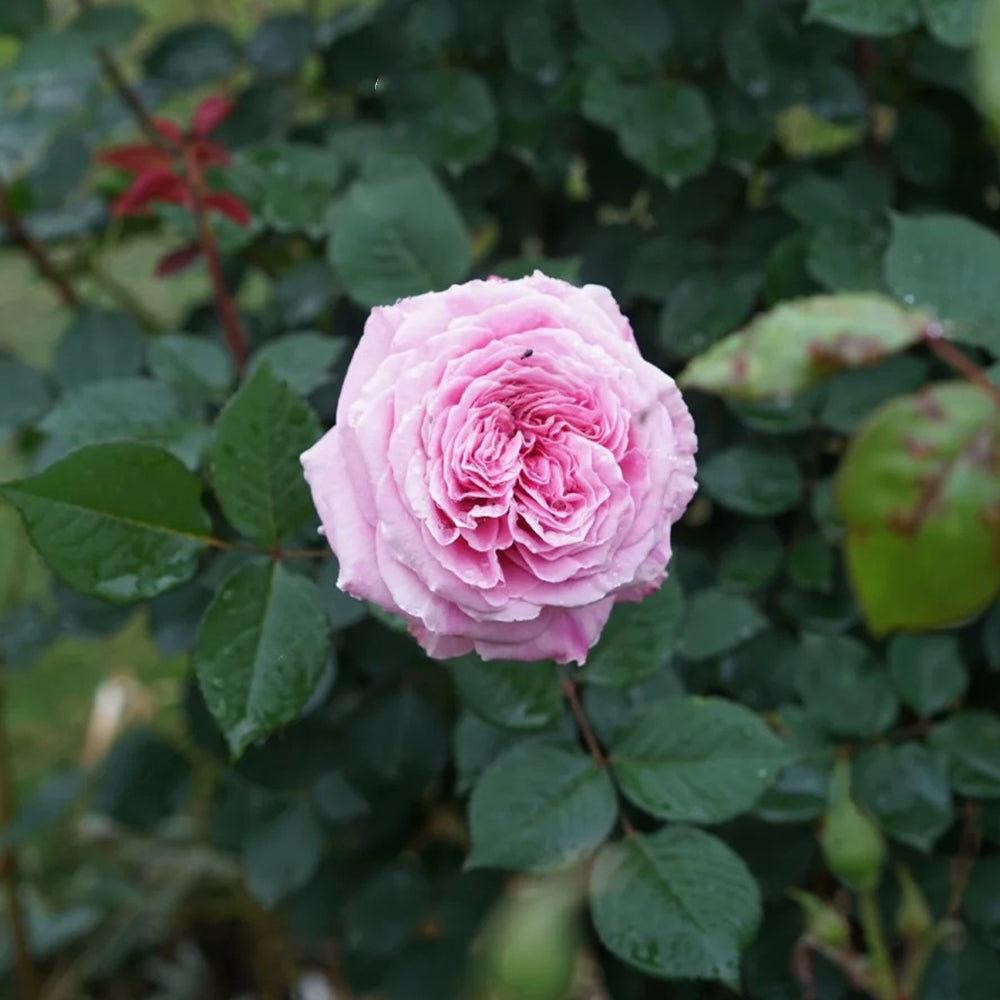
x=919, y=492
x=122, y=521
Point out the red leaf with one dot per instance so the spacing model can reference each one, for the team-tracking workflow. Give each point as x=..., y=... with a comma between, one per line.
x=210, y=154
x=177, y=260
x=230, y=206
x=169, y=131
x=135, y=158
x=210, y=114
x=151, y=186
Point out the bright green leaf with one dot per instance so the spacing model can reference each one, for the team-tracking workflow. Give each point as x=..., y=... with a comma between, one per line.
x=539, y=806
x=677, y=904
x=122, y=521
x=920, y=496
x=697, y=760
x=800, y=343
x=261, y=651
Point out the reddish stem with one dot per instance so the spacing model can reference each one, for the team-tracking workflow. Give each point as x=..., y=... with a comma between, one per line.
x=572, y=697
x=35, y=251
x=933, y=337
x=229, y=315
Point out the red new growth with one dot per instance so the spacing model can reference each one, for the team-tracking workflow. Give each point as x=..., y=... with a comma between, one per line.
x=171, y=172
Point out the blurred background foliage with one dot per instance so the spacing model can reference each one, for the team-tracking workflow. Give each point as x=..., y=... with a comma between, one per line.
x=823, y=169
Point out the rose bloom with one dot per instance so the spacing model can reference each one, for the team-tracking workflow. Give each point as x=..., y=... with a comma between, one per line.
x=504, y=468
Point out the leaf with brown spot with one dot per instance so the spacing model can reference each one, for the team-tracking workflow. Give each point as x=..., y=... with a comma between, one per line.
x=919, y=491
x=800, y=343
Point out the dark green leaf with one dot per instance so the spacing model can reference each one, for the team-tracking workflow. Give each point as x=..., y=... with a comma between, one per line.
x=927, y=671
x=753, y=558
x=853, y=396
x=539, y=806
x=629, y=32
x=678, y=904
x=255, y=459
x=971, y=972
x=98, y=344
x=848, y=257
x=395, y=236
x=665, y=127
x=906, y=788
x=716, y=622
x=867, y=17
x=262, y=650
x=337, y=800
x=509, y=693
x=195, y=367
x=57, y=796
x=970, y=740
x=843, y=686
x=943, y=263
x=381, y=916
x=280, y=45
x=697, y=760
x=952, y=22
x=26, y=631
x=703, y=308
x=118, y=521
x=755, y=481
x=638, y=639
x=476, y=743
x=281, y=854
x=303, y=360
x=193, y=54
x=23, y=17
x=135, y=409
x=109, y=25
x=24, y=393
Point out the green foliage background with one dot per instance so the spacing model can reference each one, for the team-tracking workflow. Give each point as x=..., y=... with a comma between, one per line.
x=787, y=777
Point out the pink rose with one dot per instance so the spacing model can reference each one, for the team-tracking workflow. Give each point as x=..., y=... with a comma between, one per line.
x=504, y=468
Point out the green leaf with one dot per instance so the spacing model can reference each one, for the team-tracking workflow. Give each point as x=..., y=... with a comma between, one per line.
x=697, y=760
x=24, y=393
x=971, y=972
x=677, y=904
x=704, y=307
x=867, y=17
x=448, y=115
x=509, y=693
x=256, y=470
x=53, y=801
x=193, y=54
x=752, y=559
x=919, y=494
x=303, y=360
x=638, y=639
x=981, y=900
x=195, y=367
x=280, y=45
x=660, y=264
x=629, y=32
x=380, y=917
x=23, y=18
x=476, y=743
x=122, y=522
x=281, y=854
x=848, y=257
x=853, y=396
x=261, y=651
x=136, y=409
x=843, y=686
x=716, y=622
x=395, y=236
x=803, y=134
x=759, y=482
x=906, y=788
x=98, y=344
x=952, y=22
x=337, y=800
x=927, y=671
x=539, y=806
x=530, y=36
x=970, y=740
x=109, y=25
x=665, y=127
x=801, y=343
x=944, y=264
x=987, y=63
x=26, y=630
x=811, y=563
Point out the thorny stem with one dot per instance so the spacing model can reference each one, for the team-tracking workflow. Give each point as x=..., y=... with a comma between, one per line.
x=35, y=250
x=225, y=306
x=570, y=692
x=883, y=977
x=25, y=973
x=933, y=336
